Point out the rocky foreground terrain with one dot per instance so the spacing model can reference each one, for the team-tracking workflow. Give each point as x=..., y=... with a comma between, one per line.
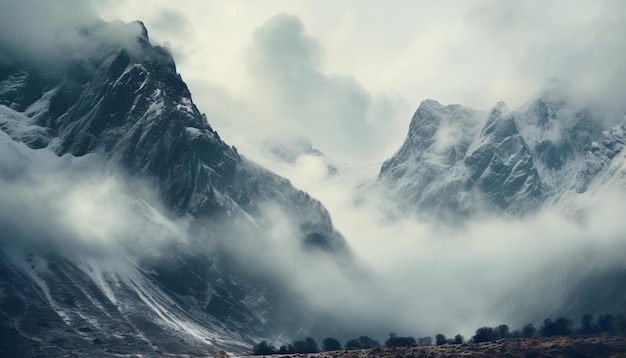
x=579, y=346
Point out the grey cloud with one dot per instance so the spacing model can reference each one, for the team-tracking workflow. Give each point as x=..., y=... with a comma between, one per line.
x=49, y=32
x=283, y=52
x=336, y=112
x=82, y=205
x=38, y=28
x=172, y=21
x=582, y=46
x=174, y=24
x=424, y=279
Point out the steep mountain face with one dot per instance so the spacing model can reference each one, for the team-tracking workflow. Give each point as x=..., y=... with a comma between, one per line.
x=125, y=106
x=457, y=162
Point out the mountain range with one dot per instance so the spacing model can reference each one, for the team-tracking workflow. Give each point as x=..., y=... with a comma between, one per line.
x=128, y=226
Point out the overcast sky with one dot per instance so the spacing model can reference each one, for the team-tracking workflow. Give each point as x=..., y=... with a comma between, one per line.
x=349, y=74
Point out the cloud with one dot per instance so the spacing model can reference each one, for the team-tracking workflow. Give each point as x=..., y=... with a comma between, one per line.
x=77, y=205
x=50, y=32
x=78, y=224
x=179, y=34
x=173, y=21
x=419, y=278
x=296, y=98
x=35, y=28
x=581, y=46
x=475, y=53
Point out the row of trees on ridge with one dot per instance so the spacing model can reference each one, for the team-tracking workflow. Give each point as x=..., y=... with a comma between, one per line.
x=308, y=345
x=560, y=327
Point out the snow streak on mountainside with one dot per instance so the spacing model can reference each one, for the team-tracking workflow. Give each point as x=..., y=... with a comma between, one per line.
x=458, y=162
x=122, y=111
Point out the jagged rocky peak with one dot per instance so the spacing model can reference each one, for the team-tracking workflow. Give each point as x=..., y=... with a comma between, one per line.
x=435, y=131
x=55, y=82
x=500, y=122
x=127, y=102
x=142, y=29
x=552, y=113
x=559, y=132
x=290, y=150
x=499, y=110
x=504, y=161
x=431, y=116
x=500, y=165
x=429, y=164
x=120, y=100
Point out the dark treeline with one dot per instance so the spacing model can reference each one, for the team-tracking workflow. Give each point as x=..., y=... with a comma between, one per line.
x=310, y=346
x=363, y=342
x=560, y=327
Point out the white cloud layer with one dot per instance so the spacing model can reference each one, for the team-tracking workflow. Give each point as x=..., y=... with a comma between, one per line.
x=78, y=205
x=426, y=278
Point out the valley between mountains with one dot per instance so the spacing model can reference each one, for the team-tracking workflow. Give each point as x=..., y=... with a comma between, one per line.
x=129, y=227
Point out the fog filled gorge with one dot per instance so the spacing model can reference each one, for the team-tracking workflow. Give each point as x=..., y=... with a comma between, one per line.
x=429, y=277
x=303, y=185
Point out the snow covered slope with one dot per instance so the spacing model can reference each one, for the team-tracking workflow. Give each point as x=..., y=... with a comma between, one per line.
x=160, y=281
x=457, y=162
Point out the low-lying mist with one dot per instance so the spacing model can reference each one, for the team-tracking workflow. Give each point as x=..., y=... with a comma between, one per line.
x=77, y=205
x=406, y=276
x=421, y=278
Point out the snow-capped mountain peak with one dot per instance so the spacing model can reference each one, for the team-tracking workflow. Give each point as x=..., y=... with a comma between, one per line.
x=119, y=108
x=457, y=161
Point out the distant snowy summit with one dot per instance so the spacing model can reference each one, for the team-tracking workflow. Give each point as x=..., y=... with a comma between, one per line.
x=459, y=162
x=289, y=151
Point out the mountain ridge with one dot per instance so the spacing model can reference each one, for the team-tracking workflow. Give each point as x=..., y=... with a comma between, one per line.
x=456, y=161
x=125, y=106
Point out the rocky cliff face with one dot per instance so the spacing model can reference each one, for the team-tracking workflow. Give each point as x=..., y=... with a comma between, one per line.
x=457, y=162
x=125, y=106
